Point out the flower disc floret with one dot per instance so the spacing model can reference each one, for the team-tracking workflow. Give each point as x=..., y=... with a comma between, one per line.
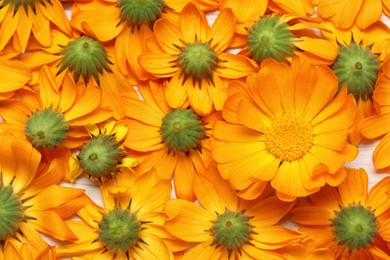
x=358, y=67
x=11, y=212
x=355, y=226
x=197, y=61
x=181, y=130
x=100, y=156
x=84, y=57
x=270, y=37
x=138, y=12
x=231, y=230
x=119, y=230
x=289, y=138
x=46, y=128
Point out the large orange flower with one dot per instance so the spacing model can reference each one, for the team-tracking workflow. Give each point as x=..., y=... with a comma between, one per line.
x=286, y=126
x=129, y=226
x=129, y=24
x=344, y=13
x=174, y=141
x=194, y=58
x=55, y=114
x=24, y=197
x=348, y=220
x=224, y=226
x=21, y=19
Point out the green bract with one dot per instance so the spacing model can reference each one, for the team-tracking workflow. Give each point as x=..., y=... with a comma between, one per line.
x=181, y=130
x=46, y=129
x=357, y=67
x=100, y=156
x=269, y=37
x=138, y=12
x=84, y=57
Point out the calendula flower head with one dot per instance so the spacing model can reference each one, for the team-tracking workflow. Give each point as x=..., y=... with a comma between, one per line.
x=137, y=13
x=85, y=57
x=46, y=128
x=270, y=37
x=231, y=230
x=357, y=67
x=354, y=226
x=100, y=156
x=129, y=225
x=118, y=230
x=349, y=220
x=182, y=129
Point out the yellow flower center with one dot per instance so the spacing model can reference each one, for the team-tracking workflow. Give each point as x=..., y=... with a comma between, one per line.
x=289, y=138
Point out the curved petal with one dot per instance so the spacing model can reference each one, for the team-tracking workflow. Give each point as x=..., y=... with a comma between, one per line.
x=86, y=103
x=233, y=66
x=193, y=24
x=222, y=30
x=369, y=13
x=353, y=190
x=13, y=75
x=161, y=65
x=168, y=36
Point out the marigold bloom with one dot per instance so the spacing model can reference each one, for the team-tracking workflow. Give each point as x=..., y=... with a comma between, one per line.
x=348, y=220
x=55, y=115
x=194, y=58
x=362, y=13
x=360, y=53
x=224, y=226
x=130, y=223
x=286, y=126
x=129, y=24
x=103, y=155
x=24, y=194
x=19, y=20
x=376, y=125
x=174, y=141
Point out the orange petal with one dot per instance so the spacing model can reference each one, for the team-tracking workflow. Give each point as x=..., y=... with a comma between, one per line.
x=168, y=35
x=369, y=13
x=381, y=152
x=161, y=65
x=23, y=31
x=193, y=24
x=222, y=30
x=184, y=178
x=41, y=27
x=225, y=131
x=86, y=103
x=331, y=9
x=188, y=221
x=318, y=47
x=199, y=98
x=275, y=237
x=353, y=189
x=13, y=75
x=176, y=91
x=235, y=66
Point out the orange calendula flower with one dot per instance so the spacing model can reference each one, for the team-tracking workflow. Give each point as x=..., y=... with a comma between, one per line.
x=130, y=223
x=194, y=58
x=129, y=24
x=87, y=61
x=226, y=227
x=376, y=125
x=54, y=116
x=360, y=53
x=24, y=197
x=348, y=220
x=103, y=155
x=287, y=125
x=344, y=14
x=174, y=141
x=19, y=20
